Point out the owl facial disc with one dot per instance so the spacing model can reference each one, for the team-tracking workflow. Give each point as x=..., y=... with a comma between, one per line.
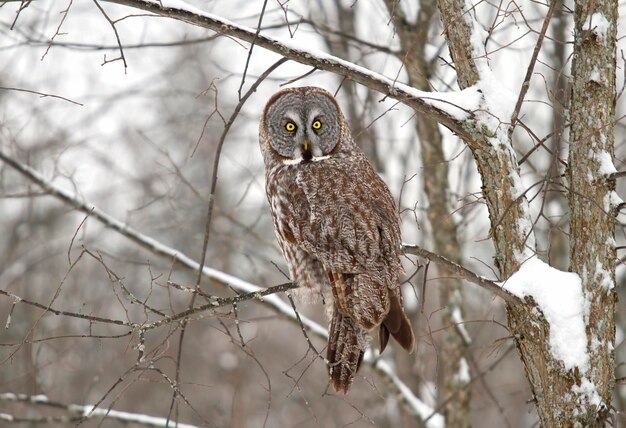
x=303, y=126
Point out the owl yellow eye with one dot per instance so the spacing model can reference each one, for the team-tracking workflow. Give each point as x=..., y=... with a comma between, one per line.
x=317, y=124
x=290, y=126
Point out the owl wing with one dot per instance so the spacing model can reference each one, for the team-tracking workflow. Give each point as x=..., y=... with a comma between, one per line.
x=304, y=268
x=342, y=214
x=347, y=219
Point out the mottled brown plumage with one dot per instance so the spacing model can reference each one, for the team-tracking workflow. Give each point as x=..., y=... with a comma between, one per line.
x=336, y=224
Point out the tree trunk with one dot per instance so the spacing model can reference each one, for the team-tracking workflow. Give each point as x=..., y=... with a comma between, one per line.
x=564, y=398
x=558, y=251
x=453, y=368
x=592, y=199
x=338, y=45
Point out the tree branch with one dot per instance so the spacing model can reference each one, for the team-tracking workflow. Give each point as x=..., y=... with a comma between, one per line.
x=531, y=65
x=42, y=94
x=77, y=413
x=441, y=107
x=214, y=303
x=465, y=273
x=273, y=302
x=153, y=245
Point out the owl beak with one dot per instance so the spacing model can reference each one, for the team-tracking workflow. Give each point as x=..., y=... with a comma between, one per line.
x=306, y=150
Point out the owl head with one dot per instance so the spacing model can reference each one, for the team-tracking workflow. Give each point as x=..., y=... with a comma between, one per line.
x=302, y=125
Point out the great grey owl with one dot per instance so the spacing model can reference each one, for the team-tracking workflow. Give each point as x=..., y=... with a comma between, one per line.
x=336, y=224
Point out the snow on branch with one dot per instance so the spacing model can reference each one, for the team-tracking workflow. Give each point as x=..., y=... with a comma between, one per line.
x=559, y=296
x=78, y=413
x=453, y=109
x=511, y=224
x=157, y=247
x=498, y=102
x=271, y=301
x=426, y=413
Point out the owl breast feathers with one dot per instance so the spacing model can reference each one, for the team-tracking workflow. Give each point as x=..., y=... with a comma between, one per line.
x=336, y=224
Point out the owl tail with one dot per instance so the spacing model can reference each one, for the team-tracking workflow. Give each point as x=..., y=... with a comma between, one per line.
x=346, y=344
x=398, y=325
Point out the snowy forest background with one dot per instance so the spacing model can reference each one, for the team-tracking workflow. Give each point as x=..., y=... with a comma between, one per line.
x=135, y=132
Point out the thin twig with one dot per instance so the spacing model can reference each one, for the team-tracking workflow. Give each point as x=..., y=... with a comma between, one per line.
x=43, y=95
x=156, y=247
x=58, y=30
x=531, y=65
x=117, y=37
x=216, y=162
x=220, y=144
x=215, y=303
x=256, y=34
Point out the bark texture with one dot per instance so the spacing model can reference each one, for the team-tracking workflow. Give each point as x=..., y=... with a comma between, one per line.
x=592, y=204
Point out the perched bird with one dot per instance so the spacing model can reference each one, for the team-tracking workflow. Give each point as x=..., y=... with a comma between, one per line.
x=336, y=224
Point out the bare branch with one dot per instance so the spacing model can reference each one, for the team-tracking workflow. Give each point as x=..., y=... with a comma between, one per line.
x=47, y=308
x=117, y=37
x=214, y=303
x=43, y=95
x=465, y=273
x=156, y=247
x=531, y=65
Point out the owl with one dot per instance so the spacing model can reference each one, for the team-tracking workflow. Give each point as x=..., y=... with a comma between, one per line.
x=336, y=224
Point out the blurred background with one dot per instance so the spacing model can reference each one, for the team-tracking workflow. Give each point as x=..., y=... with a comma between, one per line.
x=135, y=131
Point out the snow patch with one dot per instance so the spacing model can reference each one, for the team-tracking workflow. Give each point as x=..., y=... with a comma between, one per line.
x=460, y=105
x=183, y=5
x=525, y=231
x=605, y=162
x=611, y=200
x=91, y=411
x=524, y=223
x=587, y=392
x=517, y=189
x=559, y=295
x=426, y=412
x=428, y=393
x=39, y=398
x=598, y=24
x=595, y=344
x=603, y=276
x=410, y=10
x=9, y=396
x=463, y=375
x=610, y=241
x=597, y=77
x=498, y=101
x=525, y=227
